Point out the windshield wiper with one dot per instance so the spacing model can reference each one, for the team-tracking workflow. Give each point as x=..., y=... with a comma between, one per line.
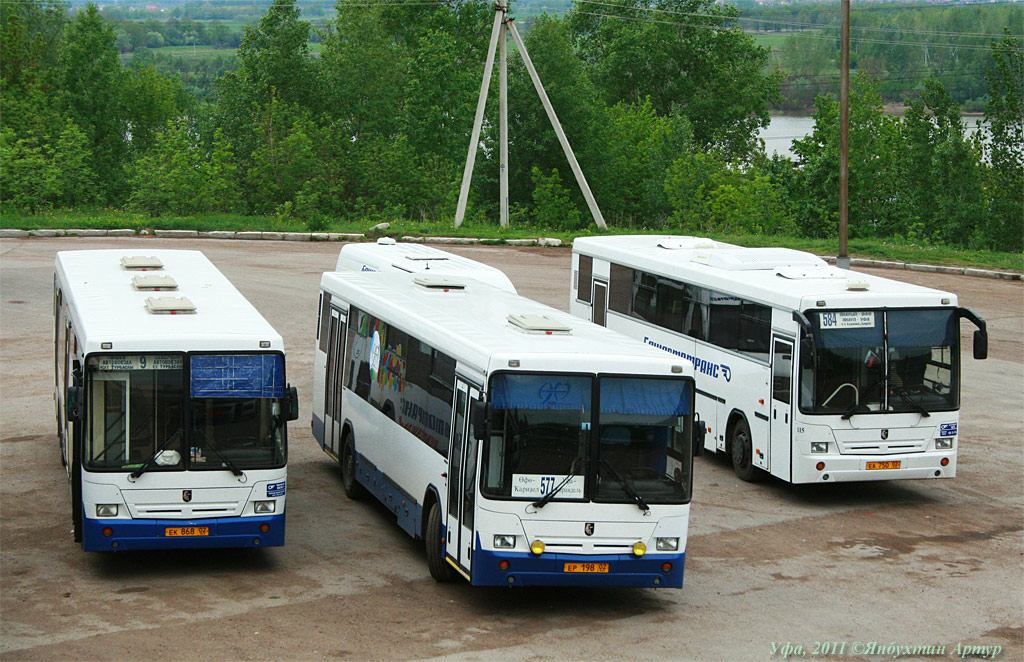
x=625, y=486
x=853, y=410
x=223, y=458
x=151, y=461
x=900, y=391
x=543, y=501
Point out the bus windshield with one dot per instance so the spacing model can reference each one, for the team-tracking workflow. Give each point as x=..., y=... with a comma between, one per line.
x=137, y=407
x=134, y=411
x=644, y=440
x=881, y=361
x=541, y=436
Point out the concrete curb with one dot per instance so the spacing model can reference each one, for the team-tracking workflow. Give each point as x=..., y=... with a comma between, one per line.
x=932, y=268
x=11, y=233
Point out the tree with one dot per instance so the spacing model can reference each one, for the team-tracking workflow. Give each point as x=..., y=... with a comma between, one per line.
x=552, y=206
x=1004, y=117
x=89, y=77
x=167, y=178
x=30, y=182
x=72, y=165
x=690, y=65
x=874, y=203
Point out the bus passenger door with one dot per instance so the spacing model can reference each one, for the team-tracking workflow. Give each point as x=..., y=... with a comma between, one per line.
x=462, y=480
x=600, y=305
x=780, y=444
x=332, y=394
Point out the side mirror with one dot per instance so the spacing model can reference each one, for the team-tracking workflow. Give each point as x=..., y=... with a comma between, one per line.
x=73, y=404
x=980, y=344
x=291, y=396
x=699, y=434
x=479, y=418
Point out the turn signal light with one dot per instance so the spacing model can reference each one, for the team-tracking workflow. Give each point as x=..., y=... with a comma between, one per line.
x=264, y=527
x=107, y=531
x=944, y=461
x=819, y=466
x=503, y=565
x=666, y=567
x=537, y=547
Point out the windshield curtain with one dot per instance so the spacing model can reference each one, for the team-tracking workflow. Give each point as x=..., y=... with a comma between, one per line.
x=644, y=440
x=540, y=433
x=137, y=407
x=880, y=361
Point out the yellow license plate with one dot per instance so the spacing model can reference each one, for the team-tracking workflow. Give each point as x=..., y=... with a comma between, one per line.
x=186, y=531
x=586, y=567
x=883, y=465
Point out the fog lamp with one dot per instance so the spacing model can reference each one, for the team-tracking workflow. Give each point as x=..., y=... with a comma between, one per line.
x=639, y=548
x=819, y=446
x=263, y=507
x=106, y=510
x=537, y=547
x=667, y=544
x=944, y=461
x=502, y=541
x=944, y=444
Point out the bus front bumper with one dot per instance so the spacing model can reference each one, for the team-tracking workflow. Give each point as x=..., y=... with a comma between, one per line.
x=526, y=569
x=135, y=534
x=849, y=468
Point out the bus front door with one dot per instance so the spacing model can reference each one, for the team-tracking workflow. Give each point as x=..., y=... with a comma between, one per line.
x=332, y=394
x=780, y=444
x=462, y=481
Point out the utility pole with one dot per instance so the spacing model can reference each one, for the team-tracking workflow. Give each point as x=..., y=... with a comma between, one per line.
x=502, y=28
x=843, y=259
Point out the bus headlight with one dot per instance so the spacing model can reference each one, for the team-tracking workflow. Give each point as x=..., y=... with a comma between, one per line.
x=944, y=444
x=667, y=544
x=106, y=510
x=504, y=541
x=819, y=446
x=263, y=507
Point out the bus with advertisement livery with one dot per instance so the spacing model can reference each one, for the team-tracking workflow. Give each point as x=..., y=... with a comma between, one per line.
x=804, y=371
x=171, y=404
x=524, y=446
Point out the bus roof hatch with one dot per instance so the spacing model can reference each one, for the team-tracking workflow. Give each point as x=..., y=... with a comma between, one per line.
x=141, y=263
x=154, y=282
x=540, y=324
x=169, y=305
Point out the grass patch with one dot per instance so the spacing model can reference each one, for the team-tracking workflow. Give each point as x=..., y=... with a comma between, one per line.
x=878, y=249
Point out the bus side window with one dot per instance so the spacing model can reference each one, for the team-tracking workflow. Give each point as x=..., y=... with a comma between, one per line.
x=620, y=288
x=325, y=313
x=586, y=278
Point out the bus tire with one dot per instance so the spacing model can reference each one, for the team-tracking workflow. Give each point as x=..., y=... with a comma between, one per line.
x=353, y=490
x=741, y=451
x=439, y=568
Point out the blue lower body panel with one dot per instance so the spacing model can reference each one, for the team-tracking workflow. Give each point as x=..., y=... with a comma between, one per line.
x=134, y=534
x=525, y=569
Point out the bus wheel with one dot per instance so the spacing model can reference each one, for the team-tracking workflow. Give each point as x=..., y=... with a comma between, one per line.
x=353, y=490
x=439, y=568
x=742, y=453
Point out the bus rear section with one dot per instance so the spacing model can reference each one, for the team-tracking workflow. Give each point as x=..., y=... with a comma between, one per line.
x=525, y=447
x=173, y=421
x=804, y=371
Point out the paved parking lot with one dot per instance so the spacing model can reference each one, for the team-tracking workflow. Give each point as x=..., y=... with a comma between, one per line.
x=858, y=571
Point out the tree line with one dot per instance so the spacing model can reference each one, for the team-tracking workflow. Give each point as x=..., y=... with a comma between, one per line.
x=663, y=116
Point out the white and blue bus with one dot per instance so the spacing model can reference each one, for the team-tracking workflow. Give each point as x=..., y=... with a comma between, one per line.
x=171, y=404
x=804, y=371
x=526, y=447
x=408, y=257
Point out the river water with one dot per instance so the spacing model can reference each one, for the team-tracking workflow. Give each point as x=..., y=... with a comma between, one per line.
x=780, y=133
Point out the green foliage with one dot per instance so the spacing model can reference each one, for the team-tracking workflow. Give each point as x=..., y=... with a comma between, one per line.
x=552, y=206
x=30, y=180
x=1004, y=116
